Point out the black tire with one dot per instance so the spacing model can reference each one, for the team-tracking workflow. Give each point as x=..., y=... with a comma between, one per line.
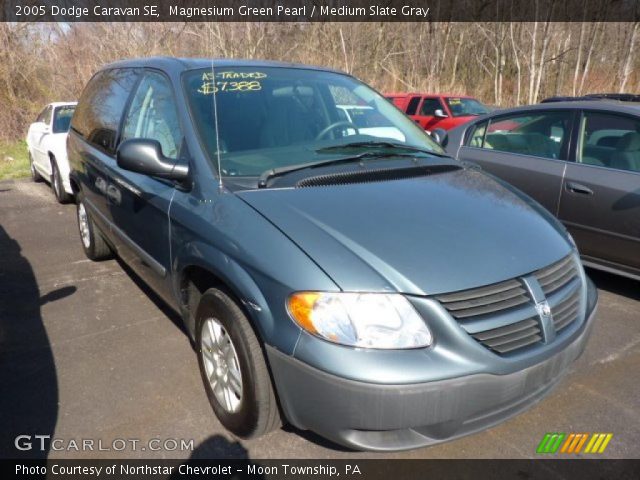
x=57, y=185
x=35, y=175
x=257, y=412
x=94, y=245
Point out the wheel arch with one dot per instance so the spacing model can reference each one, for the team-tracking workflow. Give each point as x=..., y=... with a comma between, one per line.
x=195, y=276
x=75, y=183
x=75, y=187
x=52, y=159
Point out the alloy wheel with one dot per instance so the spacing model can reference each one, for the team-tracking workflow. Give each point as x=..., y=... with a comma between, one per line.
x=83, y=225
x=221, y=365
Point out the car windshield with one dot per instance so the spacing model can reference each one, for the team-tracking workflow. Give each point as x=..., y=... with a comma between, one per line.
x=62, y=118
x=461, y=107
x=272, y=117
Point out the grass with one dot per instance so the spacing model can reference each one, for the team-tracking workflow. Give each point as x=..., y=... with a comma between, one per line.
x=14, y=161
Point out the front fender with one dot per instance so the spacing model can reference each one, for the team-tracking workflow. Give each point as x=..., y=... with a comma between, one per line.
x=252, y=258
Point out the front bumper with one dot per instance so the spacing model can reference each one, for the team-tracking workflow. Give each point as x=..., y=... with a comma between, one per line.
x=367, y=416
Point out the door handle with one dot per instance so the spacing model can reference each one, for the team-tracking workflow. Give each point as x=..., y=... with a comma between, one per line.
x=114, y=194
x=578, y=188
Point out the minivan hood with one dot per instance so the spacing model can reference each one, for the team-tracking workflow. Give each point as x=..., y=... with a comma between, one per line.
x=423, y=236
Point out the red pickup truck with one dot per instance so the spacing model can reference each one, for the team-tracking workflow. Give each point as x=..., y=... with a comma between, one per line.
x=438, y=111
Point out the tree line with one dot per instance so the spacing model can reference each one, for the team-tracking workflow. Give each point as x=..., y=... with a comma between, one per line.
x=501, y=63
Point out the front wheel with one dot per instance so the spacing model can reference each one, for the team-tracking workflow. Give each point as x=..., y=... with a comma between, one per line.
x=233, y=367
x=93, y=243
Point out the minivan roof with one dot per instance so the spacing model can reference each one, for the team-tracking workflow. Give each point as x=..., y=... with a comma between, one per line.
x=187, y=63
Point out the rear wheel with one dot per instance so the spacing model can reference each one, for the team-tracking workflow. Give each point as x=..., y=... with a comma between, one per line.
x=93, y=243
x=35, y=175
x=233, y=367
x=57, y=185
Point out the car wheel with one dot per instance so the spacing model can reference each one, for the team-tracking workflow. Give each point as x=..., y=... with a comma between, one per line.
x=233, y=367
x=56, y=184
x=93, y=243
x=35, y=175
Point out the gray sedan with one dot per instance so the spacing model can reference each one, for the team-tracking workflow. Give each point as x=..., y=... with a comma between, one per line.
x=581, y=160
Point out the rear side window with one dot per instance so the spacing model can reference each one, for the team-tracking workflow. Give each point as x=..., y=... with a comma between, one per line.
x=412, y=108
x=99, y=111
x=610, y=140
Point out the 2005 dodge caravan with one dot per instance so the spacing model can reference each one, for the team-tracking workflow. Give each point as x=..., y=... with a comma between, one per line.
x=340, y=273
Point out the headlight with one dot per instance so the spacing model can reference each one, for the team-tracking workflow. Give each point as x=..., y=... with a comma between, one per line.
x=368, y=320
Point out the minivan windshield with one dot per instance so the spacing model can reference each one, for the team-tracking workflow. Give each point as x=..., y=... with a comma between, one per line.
x=275, y=117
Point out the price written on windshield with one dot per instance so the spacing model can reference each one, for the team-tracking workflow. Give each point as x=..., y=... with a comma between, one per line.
x=229, y=81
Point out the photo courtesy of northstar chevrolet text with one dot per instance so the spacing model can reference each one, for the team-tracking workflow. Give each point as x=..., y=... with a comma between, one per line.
x=292, y=238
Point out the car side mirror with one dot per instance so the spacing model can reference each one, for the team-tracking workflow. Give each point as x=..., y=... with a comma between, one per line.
x=440, y=114
x=439, y=135
x=145, y=156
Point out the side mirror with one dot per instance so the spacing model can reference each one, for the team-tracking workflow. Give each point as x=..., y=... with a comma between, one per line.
x=440, y=114
x=439, y=135
x=145, y=156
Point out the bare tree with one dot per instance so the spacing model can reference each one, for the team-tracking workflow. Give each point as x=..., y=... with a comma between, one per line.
x=503, y=63
x=626, y=67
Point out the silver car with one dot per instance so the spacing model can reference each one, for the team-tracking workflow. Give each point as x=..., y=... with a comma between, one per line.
x=580, y=160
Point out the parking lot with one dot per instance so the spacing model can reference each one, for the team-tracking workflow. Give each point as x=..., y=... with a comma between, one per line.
x=87, y=353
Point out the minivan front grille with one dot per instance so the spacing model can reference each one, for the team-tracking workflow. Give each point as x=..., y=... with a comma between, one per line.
x=485, y=300
x=511, y=337
x=556, y=275
x=567, y=311
x=502, y=317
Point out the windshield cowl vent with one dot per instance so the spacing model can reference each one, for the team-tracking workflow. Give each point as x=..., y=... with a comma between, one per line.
x=374, y=175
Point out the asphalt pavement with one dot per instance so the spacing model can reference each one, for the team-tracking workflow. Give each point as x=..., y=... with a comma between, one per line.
x=89, y=357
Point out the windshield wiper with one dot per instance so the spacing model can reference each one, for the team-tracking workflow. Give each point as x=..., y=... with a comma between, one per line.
x=277, y=172
x=379, y=144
